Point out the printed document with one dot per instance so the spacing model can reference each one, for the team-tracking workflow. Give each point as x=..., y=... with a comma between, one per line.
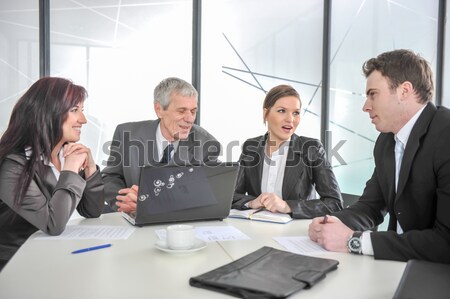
x=84, y=232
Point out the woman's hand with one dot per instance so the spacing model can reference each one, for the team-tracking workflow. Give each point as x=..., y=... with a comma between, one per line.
x=78, y=157
x=273, y=203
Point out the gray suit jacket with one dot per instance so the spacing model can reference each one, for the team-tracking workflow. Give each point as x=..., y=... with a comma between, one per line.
x=133, y=146
x=47, y=204
x=307, y=169
x=422, y=202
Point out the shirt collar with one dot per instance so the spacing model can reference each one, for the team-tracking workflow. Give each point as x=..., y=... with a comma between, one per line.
x=162, y=142
x=29, y=151
x=405, y=131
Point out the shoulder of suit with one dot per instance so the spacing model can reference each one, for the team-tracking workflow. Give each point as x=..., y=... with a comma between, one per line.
x=254, y=141
x=134, y=124
x=443, y=114
x=305, y=141
x=201, y=133
x=17, y=158
x=440, y=124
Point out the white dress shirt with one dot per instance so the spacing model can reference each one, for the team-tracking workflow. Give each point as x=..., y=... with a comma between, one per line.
x=273, y=170
x=162, y=143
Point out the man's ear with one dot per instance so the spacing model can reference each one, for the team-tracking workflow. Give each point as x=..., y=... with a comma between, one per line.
x=407, y=89
x=158, y=109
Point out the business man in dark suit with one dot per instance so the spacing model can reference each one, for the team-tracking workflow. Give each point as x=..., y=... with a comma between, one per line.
x=280, y=171
x=411, y=180
x=173, y=138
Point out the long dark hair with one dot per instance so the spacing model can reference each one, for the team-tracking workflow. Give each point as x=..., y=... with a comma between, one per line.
x=36, y=124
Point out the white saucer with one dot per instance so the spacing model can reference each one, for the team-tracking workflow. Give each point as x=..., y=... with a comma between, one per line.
x=198, y=245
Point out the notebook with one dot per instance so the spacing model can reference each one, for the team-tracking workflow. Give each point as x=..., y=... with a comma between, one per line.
x=260, y=215
x=184, y=193
x=422, y=279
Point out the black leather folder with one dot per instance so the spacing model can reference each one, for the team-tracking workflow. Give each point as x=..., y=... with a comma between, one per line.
x=424, y=280
x=266, y=273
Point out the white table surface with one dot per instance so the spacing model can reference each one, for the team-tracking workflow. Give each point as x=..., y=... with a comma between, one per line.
x=135, y=268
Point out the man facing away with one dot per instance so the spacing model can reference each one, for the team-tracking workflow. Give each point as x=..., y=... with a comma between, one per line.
x=411, y=180
x=173, y=138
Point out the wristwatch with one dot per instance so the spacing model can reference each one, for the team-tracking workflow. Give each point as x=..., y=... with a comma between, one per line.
x=354, y=244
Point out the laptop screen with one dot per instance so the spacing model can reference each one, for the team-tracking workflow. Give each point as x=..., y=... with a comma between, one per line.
x=185, y=193
x=175, y=188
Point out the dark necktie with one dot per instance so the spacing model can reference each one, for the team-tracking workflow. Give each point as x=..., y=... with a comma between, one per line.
x=167, y=151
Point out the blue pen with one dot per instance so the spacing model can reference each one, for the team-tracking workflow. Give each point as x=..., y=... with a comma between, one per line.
x=91, y=248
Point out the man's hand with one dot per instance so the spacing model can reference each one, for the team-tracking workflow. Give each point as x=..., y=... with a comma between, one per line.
x=126, y=201
x=332, y=234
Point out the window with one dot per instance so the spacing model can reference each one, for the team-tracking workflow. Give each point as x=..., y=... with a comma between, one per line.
x=361, y=30
x=19, y=53
x=119, y=52
x=248, y=47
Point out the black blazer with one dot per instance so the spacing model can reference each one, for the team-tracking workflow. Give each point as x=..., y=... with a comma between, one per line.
x=307, y=169
x=422, y=202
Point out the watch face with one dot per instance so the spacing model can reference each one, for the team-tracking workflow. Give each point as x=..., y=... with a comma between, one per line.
x=355, y=244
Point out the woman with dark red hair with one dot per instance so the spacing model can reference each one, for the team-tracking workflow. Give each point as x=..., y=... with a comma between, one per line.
x=44, y=174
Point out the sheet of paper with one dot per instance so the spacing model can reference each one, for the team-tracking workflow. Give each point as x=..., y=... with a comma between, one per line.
x=213, y=233
x=83, y=232
x=300, y=245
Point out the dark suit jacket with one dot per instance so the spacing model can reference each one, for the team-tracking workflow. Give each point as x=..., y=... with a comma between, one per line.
x=307, y=169
x=133, y=146
x=422, y=202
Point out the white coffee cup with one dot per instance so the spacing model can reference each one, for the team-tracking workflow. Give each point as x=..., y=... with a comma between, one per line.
x=180, y=236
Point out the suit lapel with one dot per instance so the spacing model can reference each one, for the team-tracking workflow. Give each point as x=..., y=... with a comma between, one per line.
x=420, y=128
x=258, y=169
x=47, y=182
x=389, y=163
x=147, y=136
x=293, y=169
x=185, y=151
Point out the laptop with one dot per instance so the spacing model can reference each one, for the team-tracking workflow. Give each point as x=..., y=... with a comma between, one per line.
x=174, y=193
x=423, y=279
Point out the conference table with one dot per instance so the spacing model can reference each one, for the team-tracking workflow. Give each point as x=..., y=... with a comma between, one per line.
x=134, y=268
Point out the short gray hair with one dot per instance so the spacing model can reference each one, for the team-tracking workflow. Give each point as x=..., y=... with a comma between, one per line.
x=168, y=86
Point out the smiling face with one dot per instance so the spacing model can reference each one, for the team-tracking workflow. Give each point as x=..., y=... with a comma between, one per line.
x=283, y=118
x=72, y=125
x=176, y=121
x=385, y=107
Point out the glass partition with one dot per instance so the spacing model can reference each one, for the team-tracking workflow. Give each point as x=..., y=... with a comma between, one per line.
x=360, y=30
x=119, y=50
x=19, y=52
x=248, y=47
x=446, y=83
